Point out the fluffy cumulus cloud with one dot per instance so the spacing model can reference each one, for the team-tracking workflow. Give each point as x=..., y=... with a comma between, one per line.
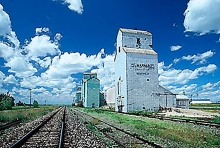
x=174, y=48
x=5, y=29
x=42, y=45
x=71, y=63
x=45, y=62
x=209, y=91
x=2, y=76
x=202, y=58
x=105, y=71
x=6, y=51
x=10, y=80
x=74, y=5
x=210, y=86
x=176, y=76
x=5, y=25
x=202, y=16
x=20, y=66
x=41, y=30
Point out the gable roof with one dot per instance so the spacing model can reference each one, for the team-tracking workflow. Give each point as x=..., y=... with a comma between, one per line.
x=135, y=31
x=182, y=97
x=166, y=90
x=141, y=51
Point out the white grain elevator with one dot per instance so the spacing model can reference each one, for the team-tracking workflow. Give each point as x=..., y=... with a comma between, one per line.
x=136, y=72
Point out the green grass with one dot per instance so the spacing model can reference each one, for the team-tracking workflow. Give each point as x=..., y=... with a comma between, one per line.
x=213, y=107
x=206, y=105
x=216, y=120
x=166, y=130
x=24, y=113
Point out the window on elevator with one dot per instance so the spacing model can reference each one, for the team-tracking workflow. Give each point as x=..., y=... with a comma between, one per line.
x=138, y=42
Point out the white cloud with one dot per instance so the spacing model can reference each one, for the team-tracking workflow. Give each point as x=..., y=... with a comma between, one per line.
x=29, y=82
x=210, y=91
x=199, y=57
x=74, y=5
x=10, y=80
x=2, y=76
x=174, y=48
x=5, y=25
x=38, y=49
x=179, y=81
x=20, y=66
x=210, y=86
x=41, y=89
x=71, y=63
x=106, y=72
x=42, y=45
x=202, y=16
x=41, y=30
x=187, y=89
x=174, y=76
x=6, y=30
x=176, y=60
x=45, y=62
x=6, y=51
x=57, y=37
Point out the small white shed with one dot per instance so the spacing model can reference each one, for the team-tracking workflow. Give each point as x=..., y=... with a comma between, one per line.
x=182, y=101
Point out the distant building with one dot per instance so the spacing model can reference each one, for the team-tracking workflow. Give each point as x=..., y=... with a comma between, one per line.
x=78, y=100
x=102, y=98
x=200, y=101
x=136, y=74
x=90, y=90
x=182, y=101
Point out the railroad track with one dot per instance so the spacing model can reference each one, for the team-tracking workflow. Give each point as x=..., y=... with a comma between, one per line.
x=197, y=122
x=121, y=137
x=48, y=133
x=77, y=134
x=10, y=124
x=59, y=128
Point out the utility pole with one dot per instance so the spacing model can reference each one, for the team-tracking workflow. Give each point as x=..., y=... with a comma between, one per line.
x=30, y=97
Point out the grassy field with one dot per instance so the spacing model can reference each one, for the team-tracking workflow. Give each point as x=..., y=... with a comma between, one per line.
x=213, y=107
x=206, y=105
x=25, y=113
x=176, y=134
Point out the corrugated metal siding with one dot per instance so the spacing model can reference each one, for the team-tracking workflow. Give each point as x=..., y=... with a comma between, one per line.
x=93, y=87
x=130, y=41
x=137, y=67
x=120, y=72
x=166, y=99
x=142, y=81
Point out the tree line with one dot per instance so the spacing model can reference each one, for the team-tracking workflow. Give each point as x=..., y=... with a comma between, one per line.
x=7, y=102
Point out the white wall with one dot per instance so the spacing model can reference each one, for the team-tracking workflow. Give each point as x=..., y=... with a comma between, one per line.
x=110, y=95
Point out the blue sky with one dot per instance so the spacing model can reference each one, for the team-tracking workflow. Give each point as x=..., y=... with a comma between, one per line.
x=46, y=45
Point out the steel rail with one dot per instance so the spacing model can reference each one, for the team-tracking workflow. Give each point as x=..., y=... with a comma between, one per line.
x=197, y=122
x=60, y=145
x=21, y=141
x=128, y=133
x=8, y=125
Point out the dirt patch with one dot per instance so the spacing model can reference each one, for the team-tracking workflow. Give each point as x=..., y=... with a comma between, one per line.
x=189, y=113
